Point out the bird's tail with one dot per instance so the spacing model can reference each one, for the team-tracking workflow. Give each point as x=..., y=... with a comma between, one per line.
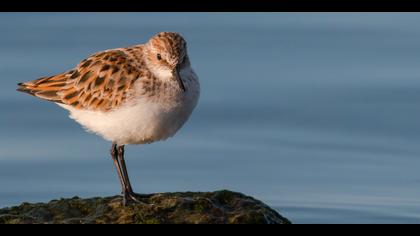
x=46, y=88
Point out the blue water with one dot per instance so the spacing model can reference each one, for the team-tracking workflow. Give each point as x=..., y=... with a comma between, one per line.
x=315, y=114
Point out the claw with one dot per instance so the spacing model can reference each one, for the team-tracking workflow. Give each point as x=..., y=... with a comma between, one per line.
x=133, y=198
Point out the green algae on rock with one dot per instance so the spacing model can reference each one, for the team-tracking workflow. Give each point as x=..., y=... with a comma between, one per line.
x=220, y=207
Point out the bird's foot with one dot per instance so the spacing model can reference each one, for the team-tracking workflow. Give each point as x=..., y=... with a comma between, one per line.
x=134, y=198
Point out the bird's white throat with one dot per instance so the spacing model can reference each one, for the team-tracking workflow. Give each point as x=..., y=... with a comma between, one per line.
x=162, y=73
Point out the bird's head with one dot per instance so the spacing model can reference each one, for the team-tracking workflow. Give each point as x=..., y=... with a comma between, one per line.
x=166, y=55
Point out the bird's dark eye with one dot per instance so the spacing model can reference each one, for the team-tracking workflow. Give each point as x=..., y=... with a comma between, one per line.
x=159, y=57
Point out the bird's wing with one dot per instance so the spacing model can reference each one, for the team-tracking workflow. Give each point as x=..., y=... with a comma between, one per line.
x=101, y=82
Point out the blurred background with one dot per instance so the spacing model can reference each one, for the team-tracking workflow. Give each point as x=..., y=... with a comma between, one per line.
x=316, y=114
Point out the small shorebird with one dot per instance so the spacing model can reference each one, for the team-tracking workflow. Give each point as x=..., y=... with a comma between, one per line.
x=133, y=95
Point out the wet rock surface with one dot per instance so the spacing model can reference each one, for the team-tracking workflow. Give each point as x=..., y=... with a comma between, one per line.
x=220, y=207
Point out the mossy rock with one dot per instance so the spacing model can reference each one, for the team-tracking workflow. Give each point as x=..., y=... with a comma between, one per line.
x=220, y=207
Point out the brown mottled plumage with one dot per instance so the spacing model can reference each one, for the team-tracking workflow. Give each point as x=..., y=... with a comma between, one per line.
x=100, y=82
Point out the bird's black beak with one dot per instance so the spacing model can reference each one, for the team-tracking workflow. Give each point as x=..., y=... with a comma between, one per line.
x=177, y=77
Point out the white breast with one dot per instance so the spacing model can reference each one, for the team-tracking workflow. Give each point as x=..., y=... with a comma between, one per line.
x=143, y=121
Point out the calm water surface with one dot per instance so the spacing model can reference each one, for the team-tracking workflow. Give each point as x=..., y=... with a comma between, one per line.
x=315, y=114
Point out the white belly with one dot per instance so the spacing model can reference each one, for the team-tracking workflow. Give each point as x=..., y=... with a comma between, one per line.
x=144, y=122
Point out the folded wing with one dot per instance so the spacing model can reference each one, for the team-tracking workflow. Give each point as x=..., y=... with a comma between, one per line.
x=101, y=82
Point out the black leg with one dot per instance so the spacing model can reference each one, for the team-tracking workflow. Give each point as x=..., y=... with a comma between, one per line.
x=128, y=192
x=114, y=155
x=121, y=160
